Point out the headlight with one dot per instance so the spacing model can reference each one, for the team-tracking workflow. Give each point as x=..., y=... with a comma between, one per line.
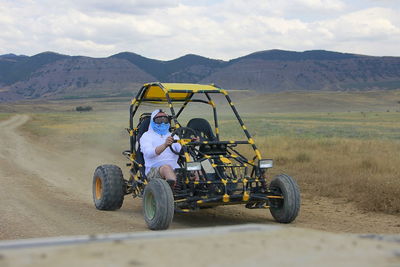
x=193, y=166
x=265, y=163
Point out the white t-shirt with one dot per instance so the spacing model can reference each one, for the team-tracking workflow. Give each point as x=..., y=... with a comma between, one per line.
x=148, y=143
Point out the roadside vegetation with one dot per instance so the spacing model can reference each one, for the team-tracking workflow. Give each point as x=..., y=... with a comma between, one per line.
x=365, y=172
x=83, y=109
x=351, y=155
x=4, y=116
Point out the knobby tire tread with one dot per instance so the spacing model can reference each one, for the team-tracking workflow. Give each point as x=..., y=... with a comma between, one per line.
x=163, y=196
x=113, y=185
x=289, y=212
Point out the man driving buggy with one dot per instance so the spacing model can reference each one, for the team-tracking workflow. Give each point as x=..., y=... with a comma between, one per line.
x=160, y=162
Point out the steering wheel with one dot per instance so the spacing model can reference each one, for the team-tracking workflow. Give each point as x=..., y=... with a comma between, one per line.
x=182, y=133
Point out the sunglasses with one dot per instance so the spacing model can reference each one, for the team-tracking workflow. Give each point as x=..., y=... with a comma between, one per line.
x=161, y=119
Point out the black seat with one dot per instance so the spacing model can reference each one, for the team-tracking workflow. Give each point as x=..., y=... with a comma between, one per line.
x=202, y=128
x=142, y=128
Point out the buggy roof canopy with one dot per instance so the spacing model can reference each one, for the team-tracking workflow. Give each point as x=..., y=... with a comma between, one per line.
x=176, y=91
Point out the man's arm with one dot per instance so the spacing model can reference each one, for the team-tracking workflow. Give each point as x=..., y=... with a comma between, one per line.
x=146, y=146
x=160, y=149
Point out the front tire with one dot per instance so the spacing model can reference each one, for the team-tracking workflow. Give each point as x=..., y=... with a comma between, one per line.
x=285, y=210
x=108, y=187
x=158, y=204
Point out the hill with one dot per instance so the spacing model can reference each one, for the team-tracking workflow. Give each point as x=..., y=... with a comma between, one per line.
x=52, y=75
x=81, y=76
x=189, y=68
x=274, y=71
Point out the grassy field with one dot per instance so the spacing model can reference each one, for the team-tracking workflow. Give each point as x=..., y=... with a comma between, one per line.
x=353, y=155
x=4, y=116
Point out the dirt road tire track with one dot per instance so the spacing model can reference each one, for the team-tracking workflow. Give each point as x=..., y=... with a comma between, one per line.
x=38, y=198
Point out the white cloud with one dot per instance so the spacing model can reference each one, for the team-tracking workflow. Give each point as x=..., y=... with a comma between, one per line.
x=374, y=31
x=123, y=6
x=81, y=47
x=372, y=24
x=320, y=4
x=221, y=29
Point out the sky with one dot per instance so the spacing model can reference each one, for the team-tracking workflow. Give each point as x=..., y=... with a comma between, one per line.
x=221, y=29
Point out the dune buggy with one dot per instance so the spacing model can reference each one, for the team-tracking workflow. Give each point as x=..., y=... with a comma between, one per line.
x=224, y=175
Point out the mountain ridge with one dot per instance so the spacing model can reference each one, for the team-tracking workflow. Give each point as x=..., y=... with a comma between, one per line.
x=54, y=75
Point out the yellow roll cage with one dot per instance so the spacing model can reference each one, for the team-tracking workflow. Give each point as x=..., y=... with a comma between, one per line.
x=183, y=93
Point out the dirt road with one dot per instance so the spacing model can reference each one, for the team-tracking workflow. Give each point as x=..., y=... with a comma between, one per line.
x=46, y=192
x=239, y=245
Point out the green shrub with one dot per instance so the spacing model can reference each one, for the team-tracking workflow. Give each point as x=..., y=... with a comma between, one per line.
x=303, y=157
x=86, y=108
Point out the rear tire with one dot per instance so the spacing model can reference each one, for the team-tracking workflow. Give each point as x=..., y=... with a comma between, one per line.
x=108, y=187
x=158, y=204
x=285, y=210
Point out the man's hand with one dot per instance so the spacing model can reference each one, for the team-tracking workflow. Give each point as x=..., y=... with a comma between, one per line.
x=169, y=141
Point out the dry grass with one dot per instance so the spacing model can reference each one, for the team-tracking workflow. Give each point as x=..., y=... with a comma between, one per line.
x=321, y=101
x=366, y=172
x=4, y=116
x=351, y=155
x=68, y=130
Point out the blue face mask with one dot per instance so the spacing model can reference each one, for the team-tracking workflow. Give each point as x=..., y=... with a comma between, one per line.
x=161, y=129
